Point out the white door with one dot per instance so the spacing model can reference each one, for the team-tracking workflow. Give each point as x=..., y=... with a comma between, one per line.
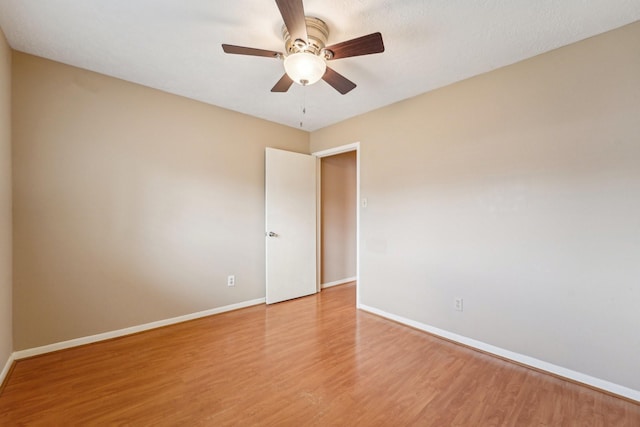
x=290, y=203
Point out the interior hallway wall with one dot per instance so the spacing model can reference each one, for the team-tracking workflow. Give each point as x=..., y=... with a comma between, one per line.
x=516, y=190
x=338, y=204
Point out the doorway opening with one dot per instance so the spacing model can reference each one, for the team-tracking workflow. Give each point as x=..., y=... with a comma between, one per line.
x=338, y=214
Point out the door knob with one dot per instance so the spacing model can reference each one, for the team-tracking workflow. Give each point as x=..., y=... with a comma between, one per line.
x=272, y=234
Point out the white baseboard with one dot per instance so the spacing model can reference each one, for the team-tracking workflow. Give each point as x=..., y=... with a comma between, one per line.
x=7, y=368
x=516, y=357
x=338, y=282
x=128, y=331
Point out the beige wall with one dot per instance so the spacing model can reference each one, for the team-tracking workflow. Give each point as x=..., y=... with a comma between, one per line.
x=131, y=205
x=6, y=345
x=518, y=191
x=338, y=195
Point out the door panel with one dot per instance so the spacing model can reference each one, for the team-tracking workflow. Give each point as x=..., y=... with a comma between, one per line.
x=290, y=212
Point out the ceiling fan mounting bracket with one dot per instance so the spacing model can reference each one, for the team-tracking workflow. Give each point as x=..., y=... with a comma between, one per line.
x=317, y=35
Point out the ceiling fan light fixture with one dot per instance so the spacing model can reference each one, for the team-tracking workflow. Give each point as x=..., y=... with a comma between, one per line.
x=306, y=51
x=304, y=68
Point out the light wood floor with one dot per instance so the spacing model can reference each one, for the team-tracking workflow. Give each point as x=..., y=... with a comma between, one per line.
x=312, y=361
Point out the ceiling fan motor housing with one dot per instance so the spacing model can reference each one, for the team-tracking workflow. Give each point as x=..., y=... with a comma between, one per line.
x=317, y=34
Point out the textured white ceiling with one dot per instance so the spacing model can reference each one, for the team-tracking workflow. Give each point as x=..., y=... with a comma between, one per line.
x=174, y=45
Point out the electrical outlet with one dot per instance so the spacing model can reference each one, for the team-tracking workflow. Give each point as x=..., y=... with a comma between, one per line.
x=231, y=280
x=457, y=304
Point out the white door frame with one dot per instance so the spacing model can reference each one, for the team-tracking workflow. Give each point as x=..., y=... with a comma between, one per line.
x=332, y=152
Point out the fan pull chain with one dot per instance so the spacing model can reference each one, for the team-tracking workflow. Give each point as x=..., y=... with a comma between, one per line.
x=304, y=105
x=304, y=111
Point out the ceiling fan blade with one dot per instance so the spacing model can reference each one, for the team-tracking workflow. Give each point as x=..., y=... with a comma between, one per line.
x=283, y=84
x=364, y=45
x=241, y=50
x=338, y=81
x=292, y=12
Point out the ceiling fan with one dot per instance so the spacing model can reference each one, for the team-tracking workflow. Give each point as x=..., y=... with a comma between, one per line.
x=306, y=53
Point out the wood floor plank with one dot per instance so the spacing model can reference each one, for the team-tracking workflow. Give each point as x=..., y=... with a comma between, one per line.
x=313, y=361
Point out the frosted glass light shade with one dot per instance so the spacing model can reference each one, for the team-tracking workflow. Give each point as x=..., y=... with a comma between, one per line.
x=304, y=68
